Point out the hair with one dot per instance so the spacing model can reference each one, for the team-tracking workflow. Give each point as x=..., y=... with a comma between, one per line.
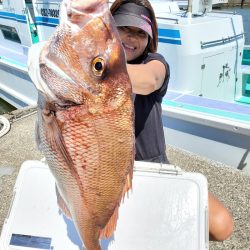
x=153, y=42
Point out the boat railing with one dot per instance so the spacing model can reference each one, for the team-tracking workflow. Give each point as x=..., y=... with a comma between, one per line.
x=43, y=2
x=223, y=12
x=205, y=45
x=168, y=19
x=50, y=3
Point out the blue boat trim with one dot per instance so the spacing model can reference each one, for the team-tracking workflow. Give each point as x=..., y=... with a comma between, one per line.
x=170, y=36
x=170, y=33
x=171, y=41
x=46, y=24
x=12, y=16
x=49, y=20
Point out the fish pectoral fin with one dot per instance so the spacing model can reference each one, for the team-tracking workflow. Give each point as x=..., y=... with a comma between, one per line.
x=61, y=203
x=55, y=138
x=110, y=227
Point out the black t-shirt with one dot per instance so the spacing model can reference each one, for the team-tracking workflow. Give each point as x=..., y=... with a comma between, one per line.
x=149, y=134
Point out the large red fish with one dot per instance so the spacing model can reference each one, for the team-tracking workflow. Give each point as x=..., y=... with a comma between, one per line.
x=85, y=116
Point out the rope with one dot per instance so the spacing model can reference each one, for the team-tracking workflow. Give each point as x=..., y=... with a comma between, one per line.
x=4, y=126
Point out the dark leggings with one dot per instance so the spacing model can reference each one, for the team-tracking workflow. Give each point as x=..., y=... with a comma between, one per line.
x=158, y=159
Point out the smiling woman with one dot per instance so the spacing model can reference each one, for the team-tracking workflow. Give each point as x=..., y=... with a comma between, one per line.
x=134, y=41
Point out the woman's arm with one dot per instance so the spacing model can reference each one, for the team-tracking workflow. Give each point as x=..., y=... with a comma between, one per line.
x=146, y=78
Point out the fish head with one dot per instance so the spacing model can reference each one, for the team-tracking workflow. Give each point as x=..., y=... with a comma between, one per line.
x=83, y=63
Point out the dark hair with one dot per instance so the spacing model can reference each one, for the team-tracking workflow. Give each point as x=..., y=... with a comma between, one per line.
x=153, y=43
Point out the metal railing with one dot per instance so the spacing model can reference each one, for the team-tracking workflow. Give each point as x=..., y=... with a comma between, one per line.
x=205, y=45
x=168, y=19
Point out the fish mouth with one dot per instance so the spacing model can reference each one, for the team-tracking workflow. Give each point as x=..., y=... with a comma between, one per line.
x=86, y=9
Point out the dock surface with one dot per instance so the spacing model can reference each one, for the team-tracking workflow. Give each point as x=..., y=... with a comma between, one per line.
x=230, y=185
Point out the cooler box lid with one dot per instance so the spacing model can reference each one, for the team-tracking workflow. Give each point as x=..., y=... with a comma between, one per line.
x=167, y=209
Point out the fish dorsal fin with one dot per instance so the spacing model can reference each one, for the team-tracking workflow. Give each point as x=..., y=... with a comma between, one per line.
x=110, y=227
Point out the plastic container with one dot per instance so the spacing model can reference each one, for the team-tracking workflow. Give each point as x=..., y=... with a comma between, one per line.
x=167, y=209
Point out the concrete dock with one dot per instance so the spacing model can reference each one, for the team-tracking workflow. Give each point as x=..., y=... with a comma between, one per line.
x=231, y=186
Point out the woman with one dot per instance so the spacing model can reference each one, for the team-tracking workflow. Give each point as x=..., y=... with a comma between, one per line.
x=149, y=74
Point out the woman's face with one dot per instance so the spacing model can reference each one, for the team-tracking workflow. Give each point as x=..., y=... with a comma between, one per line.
x=134, y=41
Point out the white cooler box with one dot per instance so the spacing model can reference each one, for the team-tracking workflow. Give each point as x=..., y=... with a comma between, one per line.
x=167, y=210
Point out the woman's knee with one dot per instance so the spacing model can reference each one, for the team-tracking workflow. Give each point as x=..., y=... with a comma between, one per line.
x=220, y=220
x=222, y=226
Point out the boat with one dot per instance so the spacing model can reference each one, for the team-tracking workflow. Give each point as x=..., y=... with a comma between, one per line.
x=206, y=110
x=207, y=107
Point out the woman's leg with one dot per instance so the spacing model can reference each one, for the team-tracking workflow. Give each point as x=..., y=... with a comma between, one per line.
x=220, y=220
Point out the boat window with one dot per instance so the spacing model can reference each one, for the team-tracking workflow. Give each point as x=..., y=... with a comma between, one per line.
x=27, y=1
x=10, y=33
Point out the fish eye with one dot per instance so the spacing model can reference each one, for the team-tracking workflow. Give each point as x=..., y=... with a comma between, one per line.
x=98, y=66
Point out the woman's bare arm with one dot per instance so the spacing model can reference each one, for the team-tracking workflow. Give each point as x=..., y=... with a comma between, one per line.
x=146, y=78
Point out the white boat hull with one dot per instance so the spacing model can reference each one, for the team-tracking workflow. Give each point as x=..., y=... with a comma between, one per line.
x=215, y=138
x=16, y=87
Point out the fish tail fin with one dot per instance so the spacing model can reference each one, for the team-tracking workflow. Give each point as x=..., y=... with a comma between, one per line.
x=108, y=230
x=128, y=184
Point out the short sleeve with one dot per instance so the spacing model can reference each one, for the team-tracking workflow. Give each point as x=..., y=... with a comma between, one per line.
x=155, y=56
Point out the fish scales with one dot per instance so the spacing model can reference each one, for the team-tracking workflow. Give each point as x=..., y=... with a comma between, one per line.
x=85, y=116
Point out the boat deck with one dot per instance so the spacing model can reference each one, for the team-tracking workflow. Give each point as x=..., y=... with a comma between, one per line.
x=230, y=111
x=245, y=69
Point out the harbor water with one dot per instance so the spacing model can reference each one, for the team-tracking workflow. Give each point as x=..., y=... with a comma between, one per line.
x=245, y=12
x=5, y=107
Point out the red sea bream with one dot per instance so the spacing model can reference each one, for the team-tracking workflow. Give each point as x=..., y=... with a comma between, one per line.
x=85, y=116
